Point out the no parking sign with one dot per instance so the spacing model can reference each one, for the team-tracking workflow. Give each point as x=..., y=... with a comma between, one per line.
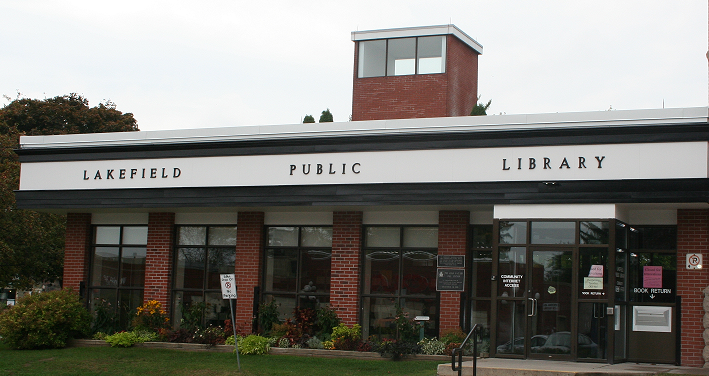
x=228, y=286
x=694, y=261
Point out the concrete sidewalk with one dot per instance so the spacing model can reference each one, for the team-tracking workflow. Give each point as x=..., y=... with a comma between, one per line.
x=518, y=367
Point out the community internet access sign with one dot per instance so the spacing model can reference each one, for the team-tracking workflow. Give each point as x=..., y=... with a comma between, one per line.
x=228, y=286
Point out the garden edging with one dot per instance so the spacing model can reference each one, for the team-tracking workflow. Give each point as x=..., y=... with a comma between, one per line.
x=272, y=351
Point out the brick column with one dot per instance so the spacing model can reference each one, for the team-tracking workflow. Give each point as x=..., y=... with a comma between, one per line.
x=77, y=249
x=249, y=259
x=452, y=240
x=345, y=265
x=692, y=237
x=158, y=260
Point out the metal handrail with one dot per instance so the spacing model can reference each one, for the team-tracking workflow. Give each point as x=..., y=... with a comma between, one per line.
x=475, y=332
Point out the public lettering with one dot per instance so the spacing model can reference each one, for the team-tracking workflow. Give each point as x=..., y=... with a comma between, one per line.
x=320, y=169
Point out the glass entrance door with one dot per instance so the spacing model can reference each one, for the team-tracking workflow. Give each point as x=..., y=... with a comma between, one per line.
x=549, y=303
x=534, y=302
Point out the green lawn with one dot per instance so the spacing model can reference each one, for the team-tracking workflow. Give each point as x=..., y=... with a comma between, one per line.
x=142, y=361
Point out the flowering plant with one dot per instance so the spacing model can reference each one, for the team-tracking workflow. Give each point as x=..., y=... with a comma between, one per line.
x=151, y=316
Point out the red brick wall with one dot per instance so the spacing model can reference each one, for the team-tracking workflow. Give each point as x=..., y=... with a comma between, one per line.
x=345, y=265
x=462, y=68
x=692, y=237
x=249, y=252
x=158, y=260
x=419, y=96
x=452, y=240
x=77, y=250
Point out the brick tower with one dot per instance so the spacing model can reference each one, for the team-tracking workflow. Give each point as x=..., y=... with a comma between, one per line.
x=418, y=72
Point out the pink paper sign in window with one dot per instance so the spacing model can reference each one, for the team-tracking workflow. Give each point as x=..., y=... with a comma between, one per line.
x=652, y=277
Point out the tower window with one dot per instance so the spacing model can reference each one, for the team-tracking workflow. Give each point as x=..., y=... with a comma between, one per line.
x=402, y=56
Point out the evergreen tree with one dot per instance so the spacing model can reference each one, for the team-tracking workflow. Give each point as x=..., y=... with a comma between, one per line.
x=326, y=116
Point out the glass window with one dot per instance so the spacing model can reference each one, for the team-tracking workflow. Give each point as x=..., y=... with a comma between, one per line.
x=653, y=237
x=401, y=57
x=382, y=237
x=594, y=232
x=372, y=58
x=316, y=237
x=399, y=272
x=431, y=54
x=222, y=236
x=421, y=237
x=652, y=277
x=202, y=253
x=482, y=236
x=553, y=232
x=593, y=273
x=282, y=236
x=512, y=269
x=187, y=235
x=297, y=267
x=482, y=274
x=117, y=274
x=135, y=235
x=107, y=235
x=513, y=232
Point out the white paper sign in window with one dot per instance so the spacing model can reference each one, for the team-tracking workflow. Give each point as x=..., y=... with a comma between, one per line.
x=652, y=319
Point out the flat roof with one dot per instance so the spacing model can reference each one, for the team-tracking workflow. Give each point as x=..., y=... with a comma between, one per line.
x=420, y=31
x=491, y=123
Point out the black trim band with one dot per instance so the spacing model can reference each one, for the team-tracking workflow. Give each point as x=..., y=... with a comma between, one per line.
x=615, y=191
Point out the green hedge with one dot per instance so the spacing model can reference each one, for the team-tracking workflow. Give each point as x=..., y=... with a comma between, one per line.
x=45, y=320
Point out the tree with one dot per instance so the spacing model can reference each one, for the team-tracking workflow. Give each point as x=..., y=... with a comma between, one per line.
x=325, y=117
x=480, y=108
x=32, y=243
x=308, y=119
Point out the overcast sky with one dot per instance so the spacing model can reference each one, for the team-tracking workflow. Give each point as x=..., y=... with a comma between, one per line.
x=195, y=64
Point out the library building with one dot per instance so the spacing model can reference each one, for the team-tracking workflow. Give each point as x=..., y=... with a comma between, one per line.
x=568, y=236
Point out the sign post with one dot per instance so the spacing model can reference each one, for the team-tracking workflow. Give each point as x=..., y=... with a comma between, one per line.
x=229, y=292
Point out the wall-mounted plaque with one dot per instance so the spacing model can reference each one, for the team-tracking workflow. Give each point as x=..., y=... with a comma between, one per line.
x=450, y=280
x=448, y=261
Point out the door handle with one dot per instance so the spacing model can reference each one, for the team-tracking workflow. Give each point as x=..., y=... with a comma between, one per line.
x=533, y=307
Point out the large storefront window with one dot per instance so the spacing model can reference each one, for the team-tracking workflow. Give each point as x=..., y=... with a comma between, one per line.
x=118, y=269
x=297, y=267
x=202, y=253
x=399, y=271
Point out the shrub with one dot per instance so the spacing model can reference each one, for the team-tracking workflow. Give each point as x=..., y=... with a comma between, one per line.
x=105, y=317
x=397, y=349
x=345, y=338
x=254, y=345
x=284, y=343
x=325, y=321
x=150, y=316
x=123, y=339
x=407, y=329
x=328, y=345
x=452, y=336
x=45, y=320
x=213, y=335
x=268, y=316
x=315, y=343
x=432, y=346
x=192, y=315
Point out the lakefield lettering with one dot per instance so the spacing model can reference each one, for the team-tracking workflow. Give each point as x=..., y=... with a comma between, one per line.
x=546, y=163
x=134, y=173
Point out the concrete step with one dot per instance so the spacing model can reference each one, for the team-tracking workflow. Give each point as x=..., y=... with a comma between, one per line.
x=518, y=367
